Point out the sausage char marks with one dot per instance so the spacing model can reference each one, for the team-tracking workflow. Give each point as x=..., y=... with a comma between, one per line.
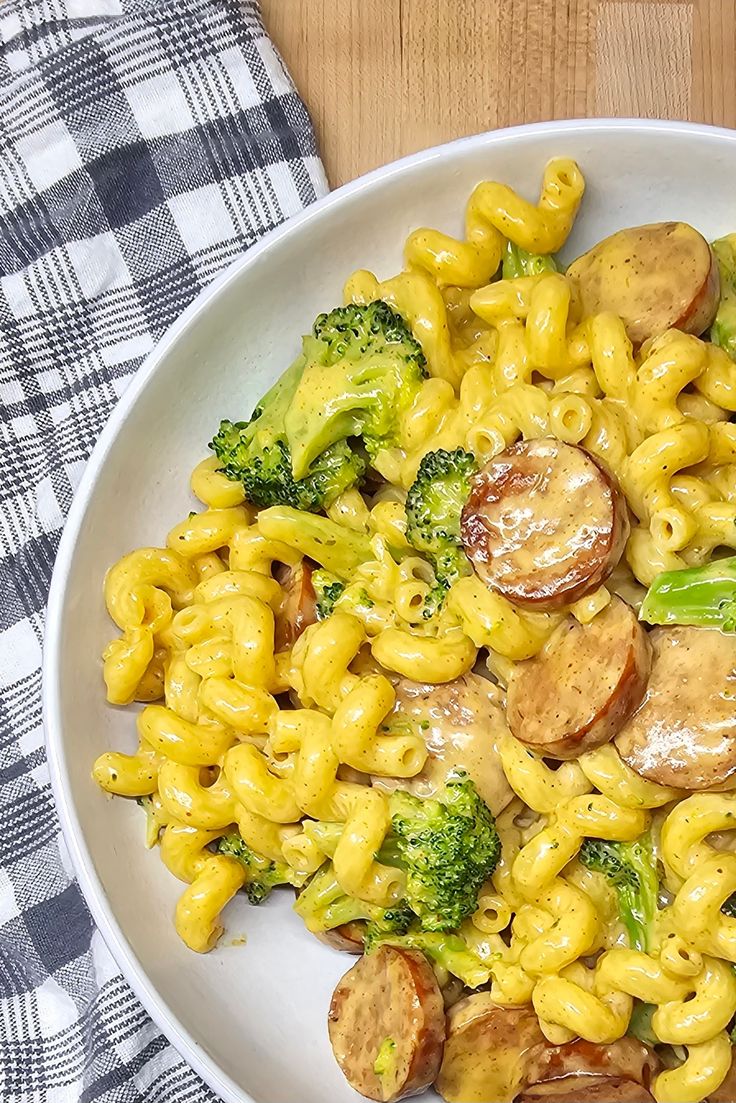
x=583, y=1072
x=545, y=523
x=580, y=690
x=500, y=1054
x=589, y=1089
x=387, y=1024
x=655, y=277
x=684, y=732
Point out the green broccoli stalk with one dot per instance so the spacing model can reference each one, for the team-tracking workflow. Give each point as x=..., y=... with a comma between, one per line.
x=338, y=549
x=434, y=506
x=447, y=847
x=702, y=596
x=517, y=262
x=363, y=369
x=723, y=330
x=640, y=1023
x=323, y=906
x=263, y=875
x=630, y=868
x=448, y=951
x=256, y=453
x=327, y=589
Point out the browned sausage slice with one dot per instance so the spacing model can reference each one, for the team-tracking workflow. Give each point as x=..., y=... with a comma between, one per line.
x=387, y=1024
x=298, y=606
x=684, y=732
x=589, y=1089
x=582, y=1063
x=726, y=1093
x=461, y=723
x=488, y=1051
x=544, y=524
x=654, y=277
x=580, y=690
x=348, y=937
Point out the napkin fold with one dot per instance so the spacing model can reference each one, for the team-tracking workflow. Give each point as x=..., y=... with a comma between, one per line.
x=144, y=144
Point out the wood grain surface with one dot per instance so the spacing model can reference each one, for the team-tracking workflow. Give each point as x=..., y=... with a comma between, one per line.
x=383, y=78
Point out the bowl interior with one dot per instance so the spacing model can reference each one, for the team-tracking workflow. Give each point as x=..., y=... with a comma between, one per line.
x=252, y=1017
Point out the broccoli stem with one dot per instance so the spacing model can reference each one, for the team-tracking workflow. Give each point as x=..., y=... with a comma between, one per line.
x=325, y=834
x=336, y=548
x=322, y=891
x=700, y=596
x=450, y=951
x=723, y=330
x=640, y=1024
x=518, y=262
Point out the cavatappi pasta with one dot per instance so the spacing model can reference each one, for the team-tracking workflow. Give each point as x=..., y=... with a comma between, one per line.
x=415, y=610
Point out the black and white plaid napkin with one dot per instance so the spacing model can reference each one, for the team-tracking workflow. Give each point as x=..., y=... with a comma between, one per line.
x=143, y=145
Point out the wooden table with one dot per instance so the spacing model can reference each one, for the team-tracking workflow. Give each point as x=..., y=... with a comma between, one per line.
x=383, y=78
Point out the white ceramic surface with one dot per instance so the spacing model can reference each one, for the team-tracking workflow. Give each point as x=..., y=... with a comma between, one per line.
x=251, y=1018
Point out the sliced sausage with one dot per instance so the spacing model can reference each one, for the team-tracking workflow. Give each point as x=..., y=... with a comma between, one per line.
x=461, y=723
x=626, y=1059
x=580, y=690
x=488, y=1052
x=298, y=606
x=545, y=523
x=655, y=277
x=348, y=937
x=387, y=1014
x=684, y=732
x=589, y=1089
x=727, y=1091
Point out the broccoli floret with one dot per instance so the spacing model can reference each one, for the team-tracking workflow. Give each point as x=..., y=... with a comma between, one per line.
x=517, y=262
x=434, y=506
x=723, y=330
x=447, y=847
x=335, y=547
x=256, y=454
x=327, y=590
x=394, y=921
x=701, y=596
x=435, y=599
x=630, y=868
x=263, y=875
x=363, y=369
x=355, y=330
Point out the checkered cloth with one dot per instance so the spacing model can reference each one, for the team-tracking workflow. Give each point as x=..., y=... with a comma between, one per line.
x=143, y=145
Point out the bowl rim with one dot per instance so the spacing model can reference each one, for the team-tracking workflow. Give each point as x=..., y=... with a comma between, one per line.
x=122, y=952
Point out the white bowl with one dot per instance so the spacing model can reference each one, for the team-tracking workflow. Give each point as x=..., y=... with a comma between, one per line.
x=251, y=1018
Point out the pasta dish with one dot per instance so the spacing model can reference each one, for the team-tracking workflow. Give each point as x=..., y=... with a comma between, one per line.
x=448, y=652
